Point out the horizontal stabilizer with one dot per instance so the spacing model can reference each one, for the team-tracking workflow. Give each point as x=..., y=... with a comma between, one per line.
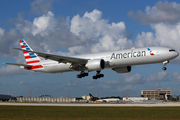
x=18, y=49
x=18, y=64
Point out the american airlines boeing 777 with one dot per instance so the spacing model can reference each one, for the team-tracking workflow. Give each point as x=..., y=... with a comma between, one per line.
x=119, y=61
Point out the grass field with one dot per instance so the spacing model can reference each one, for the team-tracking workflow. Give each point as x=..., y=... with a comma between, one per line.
x=88, y=113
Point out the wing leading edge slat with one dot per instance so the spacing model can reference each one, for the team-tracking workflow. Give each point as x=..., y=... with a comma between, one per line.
x=63, y=59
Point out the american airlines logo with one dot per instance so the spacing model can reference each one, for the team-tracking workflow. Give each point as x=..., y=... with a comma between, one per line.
x=128, y=55
x=151, y=53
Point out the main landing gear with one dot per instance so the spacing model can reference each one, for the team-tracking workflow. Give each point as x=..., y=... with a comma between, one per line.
x=165, y=63
x=98, y=75
x=82, y=74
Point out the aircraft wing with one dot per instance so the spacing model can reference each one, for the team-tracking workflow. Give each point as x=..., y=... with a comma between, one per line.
x=58, y=58
x=18, y=64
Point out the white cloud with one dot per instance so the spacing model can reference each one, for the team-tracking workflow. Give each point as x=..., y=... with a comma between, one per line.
x=41, y=6
x=158, y=76
x=176, y=76
x=86, y=24
x=145, y=39
x=73, y=83
x=160, y=13
x=24, y=83
x=41, y=24
x=100, y=36
x=110, y=82
x=96, y=15
x=1, y=32
x=135, y=78
x=11, y=71
x=7, y=41
x=139, y=79
x=166, y=34
x=126, y=89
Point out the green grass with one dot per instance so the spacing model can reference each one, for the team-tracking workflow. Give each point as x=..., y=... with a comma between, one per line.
x=88, y=113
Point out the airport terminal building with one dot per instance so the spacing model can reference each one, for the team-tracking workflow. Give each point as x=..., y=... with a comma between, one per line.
x=45, y=99
x=156, y=94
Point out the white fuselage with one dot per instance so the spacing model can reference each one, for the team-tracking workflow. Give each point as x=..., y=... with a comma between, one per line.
x=109, y=100
x=121, y=58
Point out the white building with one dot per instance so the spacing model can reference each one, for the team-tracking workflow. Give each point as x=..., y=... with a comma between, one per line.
x=86, y=97
x=45, y=99
x=156, y=94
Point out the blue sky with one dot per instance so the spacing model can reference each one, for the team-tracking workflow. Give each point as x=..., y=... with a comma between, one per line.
x=80, y=27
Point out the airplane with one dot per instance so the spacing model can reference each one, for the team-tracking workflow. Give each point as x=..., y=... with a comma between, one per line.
x=136, y=101
x=119, y=61
x=92, y=98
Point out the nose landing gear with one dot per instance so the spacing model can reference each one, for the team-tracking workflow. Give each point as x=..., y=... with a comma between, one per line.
x=165, y=63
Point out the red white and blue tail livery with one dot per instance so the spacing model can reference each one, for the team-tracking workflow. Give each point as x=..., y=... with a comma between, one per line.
x=31, y=58
x=119, y=61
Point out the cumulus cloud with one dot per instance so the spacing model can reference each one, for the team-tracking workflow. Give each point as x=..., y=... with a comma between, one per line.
x=101, y=84
x=161, y=13
x=86, y=34
x=47, y=33
x=100, y=36
x=1, y=32
x=11, y=71
x=24, y=83
x=41, y=6
x=135, y=79
x=73, y=83
x=7, y=41
x=176, y=76
x=153, y=77
x=166, y=34
x=158, y=76
x=111, y=82
x=41, y=23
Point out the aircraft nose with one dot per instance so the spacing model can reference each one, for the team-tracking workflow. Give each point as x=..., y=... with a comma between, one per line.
x=177, y=54
x=173, y=53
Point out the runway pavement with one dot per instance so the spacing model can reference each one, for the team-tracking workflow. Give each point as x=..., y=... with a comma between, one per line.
x=93, y=105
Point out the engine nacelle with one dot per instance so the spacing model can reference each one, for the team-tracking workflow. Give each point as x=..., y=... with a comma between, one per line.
x=95, y=65
x=122, y=69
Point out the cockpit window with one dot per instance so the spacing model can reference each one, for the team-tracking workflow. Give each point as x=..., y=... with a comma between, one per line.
x=171, y=50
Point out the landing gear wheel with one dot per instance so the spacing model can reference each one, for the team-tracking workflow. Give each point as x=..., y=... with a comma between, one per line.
x=164, y=68
x=79, y=76
x=98, y=75
x=101, y=75
x=86, y=74
x=82, y=74
x=94, y=77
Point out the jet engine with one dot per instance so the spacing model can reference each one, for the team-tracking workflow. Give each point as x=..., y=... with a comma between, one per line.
x=95, y=65
x=122, y=69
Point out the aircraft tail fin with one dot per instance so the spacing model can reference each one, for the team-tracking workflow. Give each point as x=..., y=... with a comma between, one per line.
x=91, y=96
x=31, y=58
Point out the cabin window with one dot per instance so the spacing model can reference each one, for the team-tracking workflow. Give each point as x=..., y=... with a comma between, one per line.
x=171, y=50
